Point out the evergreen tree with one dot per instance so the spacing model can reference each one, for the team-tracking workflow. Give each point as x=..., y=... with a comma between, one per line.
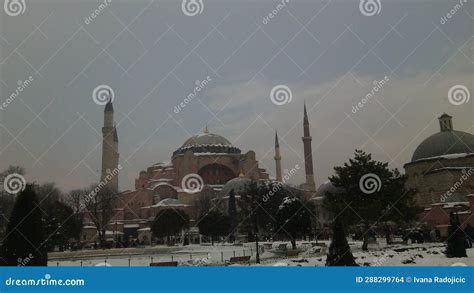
x=374, y=193
x=339, y=253
x=24, y=240
x=170, y=222
x=261, y=202
x=293, y=219
x=61, y=223
x=457, y=242
x=214, y=224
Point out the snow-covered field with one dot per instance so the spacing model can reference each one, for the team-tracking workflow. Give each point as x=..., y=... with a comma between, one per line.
x=427, y=254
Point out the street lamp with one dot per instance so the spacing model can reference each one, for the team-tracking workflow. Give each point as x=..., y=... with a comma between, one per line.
x=255, y=222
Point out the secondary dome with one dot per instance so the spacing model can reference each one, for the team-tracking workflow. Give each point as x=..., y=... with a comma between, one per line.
x=238, y=184
x=208, y=143
x=446, y=142
x=326, y=187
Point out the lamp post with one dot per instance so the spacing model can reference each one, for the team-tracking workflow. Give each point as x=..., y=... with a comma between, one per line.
x=255, y=222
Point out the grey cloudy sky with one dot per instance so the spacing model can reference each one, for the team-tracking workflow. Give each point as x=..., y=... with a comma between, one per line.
x=327, y=52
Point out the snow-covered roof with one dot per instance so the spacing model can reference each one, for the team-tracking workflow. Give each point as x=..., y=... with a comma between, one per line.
x=163, y=164
x=169, y=202
x=317, y=198
x=108, y=232
x=161, y=184
x=161, y=180
x=449, y=169
x=211, y=154
x=453, y=204
x=456, y=203
x=445, y=157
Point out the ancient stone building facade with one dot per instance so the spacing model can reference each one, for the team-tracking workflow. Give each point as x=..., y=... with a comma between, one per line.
x=206, y=164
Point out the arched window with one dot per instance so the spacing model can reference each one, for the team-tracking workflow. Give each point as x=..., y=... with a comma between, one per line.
x=216, y=174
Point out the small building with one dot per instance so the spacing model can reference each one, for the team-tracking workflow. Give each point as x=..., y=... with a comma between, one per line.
x=437, y=216
x=442, y=166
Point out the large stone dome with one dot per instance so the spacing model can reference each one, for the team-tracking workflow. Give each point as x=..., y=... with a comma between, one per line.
x=446, y=142
x=208, y=143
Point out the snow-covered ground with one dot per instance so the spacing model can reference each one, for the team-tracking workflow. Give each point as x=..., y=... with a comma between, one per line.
x=427, y=254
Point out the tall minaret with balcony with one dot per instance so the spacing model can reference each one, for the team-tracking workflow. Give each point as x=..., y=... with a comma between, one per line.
x=110, y=155
x=277, y=157
x=308, y=155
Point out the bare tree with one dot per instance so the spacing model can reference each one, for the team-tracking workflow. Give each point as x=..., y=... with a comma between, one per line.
x=99, y=203
x=75, y=199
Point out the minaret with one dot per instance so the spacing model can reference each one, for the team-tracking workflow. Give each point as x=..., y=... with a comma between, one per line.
x=308, y=156
x=109, y=149
x=277, y=158
x=116, y=159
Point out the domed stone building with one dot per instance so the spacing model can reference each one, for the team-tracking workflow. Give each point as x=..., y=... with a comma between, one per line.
x=205, y=166
x=440, y=169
